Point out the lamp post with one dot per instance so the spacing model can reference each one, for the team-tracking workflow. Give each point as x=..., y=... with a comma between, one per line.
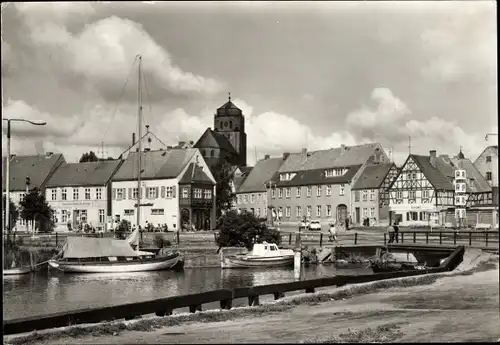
x=7, y=168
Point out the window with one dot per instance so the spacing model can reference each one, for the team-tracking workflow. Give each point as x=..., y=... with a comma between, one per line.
x=298, y=191
x=120, y=193
x=87, y=193
x=258, y=213
x=372, y=212
x=425, y=194
x=75, y=193
x=54, y=194
x=185, y=193
x=98, y=193
x=252, y=198
x=309, y=211
x=412, y=216
x=64, y=215
x=128, y=212
x=197, y=193
x=488, y=159
x=328, y=210
x=21, y=197
x=258, y=198
x=335, y=172
x=372, y=194
x=342, y=189
x=488, y=176
x=365, y=212
x=207, y=193
x=309, y=191
x=288, y=191
x=151, y=192
x=365, y=195
x=318, y=211
x=288, y=211
x=412, y=195
x=280, y=212
x=157, y=211
x=169, y=192
x=356, y=196
x=64, y=196
x=245, y=197
x=280, y=193
x=299, y=211
x=102, y=216
x=287, y=176
x=399, y=195
x=318, y=190
x=328, y=190
x=273, y=193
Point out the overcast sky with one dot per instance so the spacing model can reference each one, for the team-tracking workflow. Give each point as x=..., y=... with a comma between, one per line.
x=306, y=74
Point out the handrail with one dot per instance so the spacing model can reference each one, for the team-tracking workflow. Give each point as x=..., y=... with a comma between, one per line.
x=165, y=306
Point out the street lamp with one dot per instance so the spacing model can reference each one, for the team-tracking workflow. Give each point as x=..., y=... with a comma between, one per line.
x=7, y=172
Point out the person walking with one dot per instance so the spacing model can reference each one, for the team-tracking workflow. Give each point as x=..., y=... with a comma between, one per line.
x=396, y=232
x=332, y=232
x=390, y=232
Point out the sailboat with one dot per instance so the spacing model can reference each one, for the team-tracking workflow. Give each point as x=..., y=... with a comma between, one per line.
x=107, y=255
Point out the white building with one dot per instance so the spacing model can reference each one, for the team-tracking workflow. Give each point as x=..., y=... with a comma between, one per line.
x=36, y=170
x=79, y=194
x=161, y=200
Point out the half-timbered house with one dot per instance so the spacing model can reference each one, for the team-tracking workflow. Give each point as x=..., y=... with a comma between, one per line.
x=370, y=195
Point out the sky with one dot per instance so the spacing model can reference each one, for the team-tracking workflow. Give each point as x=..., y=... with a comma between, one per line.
x=309, y=75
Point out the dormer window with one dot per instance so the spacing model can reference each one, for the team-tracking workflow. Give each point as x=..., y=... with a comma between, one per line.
x=335, y=172
x=287, y=176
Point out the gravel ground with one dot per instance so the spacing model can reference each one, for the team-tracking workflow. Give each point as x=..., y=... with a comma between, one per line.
x=452, y=309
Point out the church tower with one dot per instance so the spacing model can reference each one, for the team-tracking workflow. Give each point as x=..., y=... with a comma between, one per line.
x=229, y=121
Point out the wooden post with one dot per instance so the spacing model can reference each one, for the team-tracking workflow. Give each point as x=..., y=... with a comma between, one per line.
x=440, y=237
x=57, y=240
x=470, y=238
x=426, y=237
x=297, y=263
x=178, y=237
x=321, y=240
x=455, y=238
x=402, y=237
x=486, y=238
x=290, y=239
x=414, y=237
x=355, y=238
x=385, y=238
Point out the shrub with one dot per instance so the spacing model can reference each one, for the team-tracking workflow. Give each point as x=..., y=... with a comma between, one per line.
x=240, y=230
x=161, y=242
x=122, y=229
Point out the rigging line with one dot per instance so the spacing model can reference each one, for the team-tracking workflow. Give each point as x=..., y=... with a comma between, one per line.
x=148, y=98
x=120, y=98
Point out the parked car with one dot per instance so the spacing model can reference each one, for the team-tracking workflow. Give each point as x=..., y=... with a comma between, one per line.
x=315, y=225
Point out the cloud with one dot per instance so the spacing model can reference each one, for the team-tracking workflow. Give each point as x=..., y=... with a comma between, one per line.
x=102, y=53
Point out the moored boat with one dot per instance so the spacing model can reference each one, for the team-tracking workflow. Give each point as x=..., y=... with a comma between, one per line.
x=379, y=267
x=107, y=255
x=263, y=255
x=17, y=271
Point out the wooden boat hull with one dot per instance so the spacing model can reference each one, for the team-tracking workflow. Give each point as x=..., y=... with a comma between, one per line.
x=391, y=268
x=145, y=265
x=267, y=262
x=17, y=271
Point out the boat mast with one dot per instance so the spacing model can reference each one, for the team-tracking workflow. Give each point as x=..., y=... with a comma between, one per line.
x=139, y=122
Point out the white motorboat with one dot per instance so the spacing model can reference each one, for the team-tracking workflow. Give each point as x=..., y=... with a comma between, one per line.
x=263, y=255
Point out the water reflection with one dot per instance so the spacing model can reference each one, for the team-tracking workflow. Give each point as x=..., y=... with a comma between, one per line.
x=49, y=292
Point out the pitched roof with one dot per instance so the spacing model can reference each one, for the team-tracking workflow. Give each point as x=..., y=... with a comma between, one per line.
x=493, y=148
x=195, y=174
x=433, y=174
x=317, y=177
x=480, y=184
x=246, y=170
x=212, y=139
x=372, y=176
x=262, y=172
x=84, y=174
x=335, y=157
x=37, y=167
x=228, y=109
x=162, y=164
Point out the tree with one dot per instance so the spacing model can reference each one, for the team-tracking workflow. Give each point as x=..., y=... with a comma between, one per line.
x=13, y=210
x=35, y=207
x=223, y=174
x=242, y=229
x=121, y=230
x=89, y=157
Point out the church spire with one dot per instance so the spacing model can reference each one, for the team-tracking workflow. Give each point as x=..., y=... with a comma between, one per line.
x=460, y=154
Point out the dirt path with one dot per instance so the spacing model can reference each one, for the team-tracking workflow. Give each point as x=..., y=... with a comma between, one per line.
x=453, y=309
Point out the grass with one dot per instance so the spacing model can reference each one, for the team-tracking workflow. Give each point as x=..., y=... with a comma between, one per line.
x=150, y=324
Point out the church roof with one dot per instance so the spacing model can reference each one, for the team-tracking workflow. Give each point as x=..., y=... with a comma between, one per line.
x=212, y=139
x=228, y=109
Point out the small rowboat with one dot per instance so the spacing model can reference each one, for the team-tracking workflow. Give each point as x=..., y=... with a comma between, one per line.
x=17, y=271
x=263, y=255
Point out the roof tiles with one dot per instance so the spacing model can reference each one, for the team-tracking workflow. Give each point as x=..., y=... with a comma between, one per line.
x=262, y=172
x=372, y=176
x=84, y=174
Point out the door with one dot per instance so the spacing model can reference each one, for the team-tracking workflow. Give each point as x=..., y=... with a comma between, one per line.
x=358, y=215
x=341, y=213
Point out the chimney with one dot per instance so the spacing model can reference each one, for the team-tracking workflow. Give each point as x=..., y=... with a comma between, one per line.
x=432, y=155
x=266, y=157
x=285, y=155
x=133, y=139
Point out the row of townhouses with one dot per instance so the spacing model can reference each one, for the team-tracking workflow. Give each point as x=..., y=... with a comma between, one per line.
x=360, y=182
x=177, y=188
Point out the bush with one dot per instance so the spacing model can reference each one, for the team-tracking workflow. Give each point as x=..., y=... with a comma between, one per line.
x=161, y=242
x=240, y=230
x=122, y=229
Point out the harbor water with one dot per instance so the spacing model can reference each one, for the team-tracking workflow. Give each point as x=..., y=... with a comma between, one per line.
x=51, y=291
